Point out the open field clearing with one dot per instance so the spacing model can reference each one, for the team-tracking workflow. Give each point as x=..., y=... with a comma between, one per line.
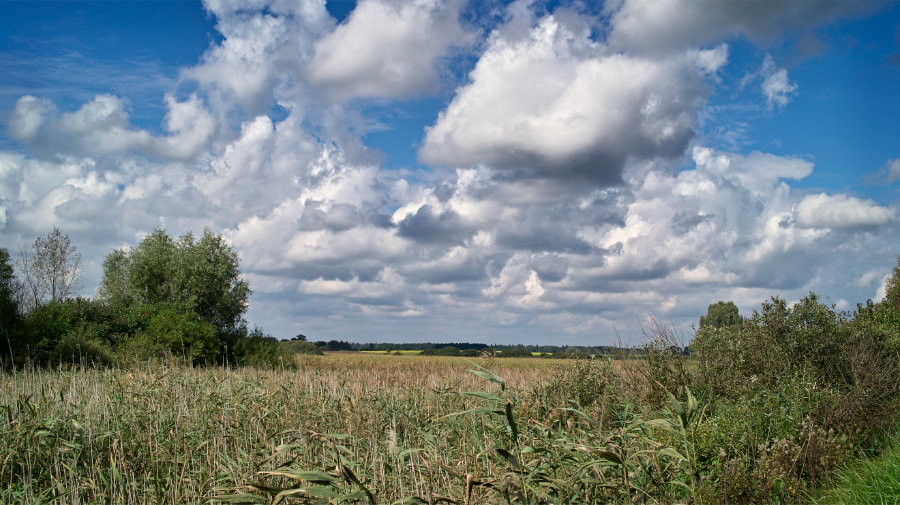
x=364, y=428
x=176, y=435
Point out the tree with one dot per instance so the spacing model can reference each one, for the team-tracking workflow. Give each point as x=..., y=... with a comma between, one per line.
x=51, y=269
x=9, y=308
x=721, y=315
x=201, y=277
x=892, y=287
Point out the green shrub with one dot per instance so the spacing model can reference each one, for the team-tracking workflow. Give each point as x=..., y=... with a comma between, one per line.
x=259, y=350
x=184, y=336
x=81, y=347
x=301, y=347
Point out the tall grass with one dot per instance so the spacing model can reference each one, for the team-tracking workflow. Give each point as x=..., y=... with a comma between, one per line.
x=356, y=428
x=175, y=435
x=871, y=481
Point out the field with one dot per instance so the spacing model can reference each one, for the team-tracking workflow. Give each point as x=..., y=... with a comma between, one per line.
x=368, y=428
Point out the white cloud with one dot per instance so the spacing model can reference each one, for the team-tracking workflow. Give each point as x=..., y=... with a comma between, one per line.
x=28, y=116
x=881, y=292
x=555, y=103
x=890, y=172
x=261, y=55
x=387, y=49
x=191, y=126
x=775, y=84
x=569, y=205
x=841, y=211
x=665, y=26
x=103, y=127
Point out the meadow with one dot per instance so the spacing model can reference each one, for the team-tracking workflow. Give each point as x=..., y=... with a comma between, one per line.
x=369, y=428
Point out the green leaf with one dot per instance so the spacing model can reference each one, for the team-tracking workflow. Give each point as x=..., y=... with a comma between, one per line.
x=579, y=413
x=676, y=405
x=301, y=475
x=664, y=424
x=336, y=436
x=486, y=374
x=241, y=498
x=514, y=428
x=477, y=410
x=611, y=457
x=692, y=401
x=316, y=491
x=669, y=451
x=481, y=394
x=509, y=457
x=266, y=489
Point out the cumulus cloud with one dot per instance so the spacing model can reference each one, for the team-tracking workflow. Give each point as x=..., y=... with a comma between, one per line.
x=387, y=49
x=665, y=26
x=552, y=102
x=774, y=83
x=577, y=196
x=28, y=116
x=841, y=211
x=887, y=174
x=265, y=46
x=103, y=126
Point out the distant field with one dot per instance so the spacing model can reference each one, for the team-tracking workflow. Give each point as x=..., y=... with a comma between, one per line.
x=393, y=351
x=417, y=351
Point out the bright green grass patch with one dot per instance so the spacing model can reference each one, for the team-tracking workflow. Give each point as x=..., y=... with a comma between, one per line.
x=874, y=481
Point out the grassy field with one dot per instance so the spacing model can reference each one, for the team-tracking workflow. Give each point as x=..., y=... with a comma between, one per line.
x=369, y=428
x=182, y=435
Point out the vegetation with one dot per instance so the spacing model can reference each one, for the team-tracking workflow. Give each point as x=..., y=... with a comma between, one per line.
x=51, y=269
x=166, y=299
x=721, y=315
x=871, y=481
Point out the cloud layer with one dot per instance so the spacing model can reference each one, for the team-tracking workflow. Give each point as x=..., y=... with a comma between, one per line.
x=566, y=189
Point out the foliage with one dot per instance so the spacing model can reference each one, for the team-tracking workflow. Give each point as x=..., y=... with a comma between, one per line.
x=721, y=315
x=872, y=481
x=51, y=269
x=183, y=335
x=892, y=287
x=452, y=351
x=301, y=347
x=199, y=277
x=259, y=350
x=9, y=307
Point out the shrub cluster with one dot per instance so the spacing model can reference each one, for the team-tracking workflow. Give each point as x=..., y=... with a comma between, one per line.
x=791, y=390
x=179, y=300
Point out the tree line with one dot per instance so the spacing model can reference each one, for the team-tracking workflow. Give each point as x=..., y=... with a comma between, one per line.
x=168, y=298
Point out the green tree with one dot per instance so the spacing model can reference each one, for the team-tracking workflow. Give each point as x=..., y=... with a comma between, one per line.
x=721, y=315
x=200, y=277
x=50, y=270
x=892, y=287
x=9, y=308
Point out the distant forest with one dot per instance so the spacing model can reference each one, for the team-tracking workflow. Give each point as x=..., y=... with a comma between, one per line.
x=507, y=350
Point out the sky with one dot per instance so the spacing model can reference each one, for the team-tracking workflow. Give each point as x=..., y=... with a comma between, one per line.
x=558, y=172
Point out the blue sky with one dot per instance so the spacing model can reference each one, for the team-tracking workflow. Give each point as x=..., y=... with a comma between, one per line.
x=486, y=171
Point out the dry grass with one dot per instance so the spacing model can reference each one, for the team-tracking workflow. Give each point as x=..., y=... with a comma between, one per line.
x=174, y=435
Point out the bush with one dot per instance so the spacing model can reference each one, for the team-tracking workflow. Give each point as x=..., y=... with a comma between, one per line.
x=81, y=347
x=184, y=336
x=301, y=347
x=259, y=350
